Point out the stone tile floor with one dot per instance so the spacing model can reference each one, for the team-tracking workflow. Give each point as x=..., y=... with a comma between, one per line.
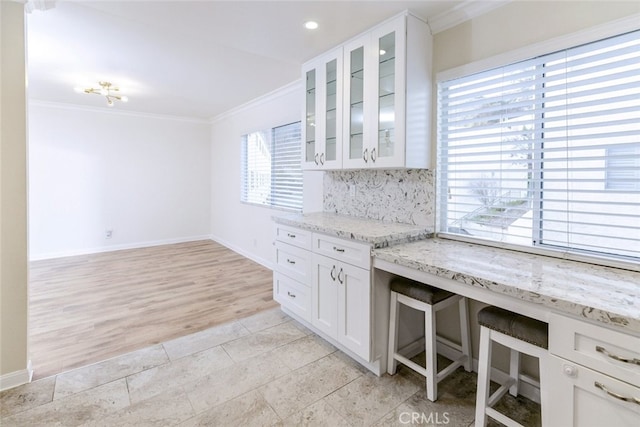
x=259, y=371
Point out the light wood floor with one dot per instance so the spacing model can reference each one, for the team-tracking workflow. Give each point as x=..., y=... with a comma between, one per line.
x=89, y=308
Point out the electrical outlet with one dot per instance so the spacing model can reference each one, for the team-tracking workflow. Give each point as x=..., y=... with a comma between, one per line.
x=108, y=233
x=352, y=191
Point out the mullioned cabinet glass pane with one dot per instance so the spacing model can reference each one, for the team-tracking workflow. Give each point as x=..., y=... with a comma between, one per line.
x=310, y=141
x=356, y=106
x=386, y=95
x=330, y=138
x=386, y=125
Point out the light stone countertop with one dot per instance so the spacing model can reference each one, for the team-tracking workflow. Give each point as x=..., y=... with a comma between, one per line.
x=605, y=294
x=379, y=234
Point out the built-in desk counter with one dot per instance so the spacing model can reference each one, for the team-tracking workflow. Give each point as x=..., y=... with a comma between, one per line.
x=504, y=277
x=592, y=369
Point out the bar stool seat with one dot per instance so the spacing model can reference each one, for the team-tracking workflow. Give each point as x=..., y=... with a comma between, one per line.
x=520, y=334
x=429, y=300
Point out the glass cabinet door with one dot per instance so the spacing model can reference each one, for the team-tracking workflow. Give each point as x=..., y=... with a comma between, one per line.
x=322, y=147
x=386, y=96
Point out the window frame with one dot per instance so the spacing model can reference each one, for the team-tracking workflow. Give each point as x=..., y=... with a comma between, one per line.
x=590, y=35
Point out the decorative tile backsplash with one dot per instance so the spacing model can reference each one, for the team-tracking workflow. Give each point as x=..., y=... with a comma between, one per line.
x=405, y=196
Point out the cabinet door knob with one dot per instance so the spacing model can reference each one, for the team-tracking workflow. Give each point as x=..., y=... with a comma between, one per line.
x=293, y=236
x=570, y=370
x=604, y=351
x=338, y=249
x=291, y=295
x=290, y=262
x=339, y=279
x=365, y=155
x=332, y=274
x=322, y=159
x=373, y=155
x=616, y=395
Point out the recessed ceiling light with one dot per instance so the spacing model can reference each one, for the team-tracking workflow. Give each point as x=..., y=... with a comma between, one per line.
x=311, y=25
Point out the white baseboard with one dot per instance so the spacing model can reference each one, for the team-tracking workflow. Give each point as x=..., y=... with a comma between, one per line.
x=17, y=378
x=244, y=253
x=101, y=249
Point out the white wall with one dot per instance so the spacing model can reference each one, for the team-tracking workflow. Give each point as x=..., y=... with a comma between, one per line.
x=248, y=229
x=146, y=177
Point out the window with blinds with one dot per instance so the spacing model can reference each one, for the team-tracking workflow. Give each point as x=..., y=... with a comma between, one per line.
x=545, y=152
x=271, y=167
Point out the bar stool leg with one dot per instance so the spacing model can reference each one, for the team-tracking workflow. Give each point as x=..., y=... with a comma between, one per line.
x=484, y=376
x=393, y=333
x=465, y=333
x=431, y=353
x=514, y=371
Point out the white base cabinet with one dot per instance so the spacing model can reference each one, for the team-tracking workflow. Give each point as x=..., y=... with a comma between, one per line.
x=327, y=282
x=594, y=375
x=292, y=273
x=341, y=303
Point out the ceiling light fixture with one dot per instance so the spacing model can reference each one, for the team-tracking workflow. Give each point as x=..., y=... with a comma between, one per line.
x=107, y=90
x=311, y=25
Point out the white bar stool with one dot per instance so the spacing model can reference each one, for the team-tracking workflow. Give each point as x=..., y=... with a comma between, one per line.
x=520, y=334
x=429, y=300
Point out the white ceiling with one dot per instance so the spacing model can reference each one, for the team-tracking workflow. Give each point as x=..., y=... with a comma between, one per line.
x=189, y=58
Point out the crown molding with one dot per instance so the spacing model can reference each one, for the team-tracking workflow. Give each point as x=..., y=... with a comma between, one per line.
x=463, y=12
x=295, y=86
x=109, y=110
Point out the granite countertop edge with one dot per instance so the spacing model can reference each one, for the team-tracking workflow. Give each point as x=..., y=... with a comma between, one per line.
x=396, y=234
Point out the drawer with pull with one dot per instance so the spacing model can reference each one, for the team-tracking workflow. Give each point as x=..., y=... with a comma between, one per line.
x=293, y=236
x=582, y=397
x=602, y=349
x=293, y=295
x=294, y=262
x=358, y=254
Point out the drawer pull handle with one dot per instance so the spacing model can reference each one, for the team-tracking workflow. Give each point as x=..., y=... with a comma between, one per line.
x=291, y=295
x=333, y=276
x=338, y=249
x=293, y=236
x=339, y=279
x=290, y=262
x=618, y=358
x=616, y=395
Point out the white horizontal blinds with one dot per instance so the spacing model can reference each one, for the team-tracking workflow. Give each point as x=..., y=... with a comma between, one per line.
x=256, y=167
x=286, y=173
x=545, y=151
x=272, y=167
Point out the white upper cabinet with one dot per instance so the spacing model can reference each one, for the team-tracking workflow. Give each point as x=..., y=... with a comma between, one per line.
x=322, y=132
x=387, y=91
x=368, y=103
